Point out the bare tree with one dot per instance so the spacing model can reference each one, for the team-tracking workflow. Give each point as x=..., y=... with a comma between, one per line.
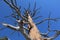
x=27, y=19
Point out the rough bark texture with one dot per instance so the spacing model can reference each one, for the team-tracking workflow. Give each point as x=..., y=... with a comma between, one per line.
x=34, y=32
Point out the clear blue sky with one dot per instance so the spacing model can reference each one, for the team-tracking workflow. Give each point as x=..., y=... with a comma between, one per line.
x=45, y=6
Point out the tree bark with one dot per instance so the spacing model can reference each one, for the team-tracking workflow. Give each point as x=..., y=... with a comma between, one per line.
x=34, y=32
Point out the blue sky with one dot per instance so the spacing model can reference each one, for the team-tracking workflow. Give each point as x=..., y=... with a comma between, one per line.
x=45, y=6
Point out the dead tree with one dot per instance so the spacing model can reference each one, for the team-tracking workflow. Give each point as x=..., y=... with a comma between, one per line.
x=33, y=32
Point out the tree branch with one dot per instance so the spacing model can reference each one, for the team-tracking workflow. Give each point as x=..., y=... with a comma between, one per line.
x=18, y=29
x=10, y=26
x=15, y=8
x=53, y=19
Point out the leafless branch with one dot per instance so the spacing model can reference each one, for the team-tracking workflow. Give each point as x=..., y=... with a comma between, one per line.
x=17, y=29
x=27, y=19
x=37, y=17
x=15, y=8
x=53, y=19
x=34, y=10
x=10, y=26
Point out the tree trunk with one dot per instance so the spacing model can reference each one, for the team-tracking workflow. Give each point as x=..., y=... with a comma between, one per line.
x=34, y=32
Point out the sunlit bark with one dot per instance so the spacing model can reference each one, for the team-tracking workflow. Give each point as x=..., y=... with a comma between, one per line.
x=33, y=32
